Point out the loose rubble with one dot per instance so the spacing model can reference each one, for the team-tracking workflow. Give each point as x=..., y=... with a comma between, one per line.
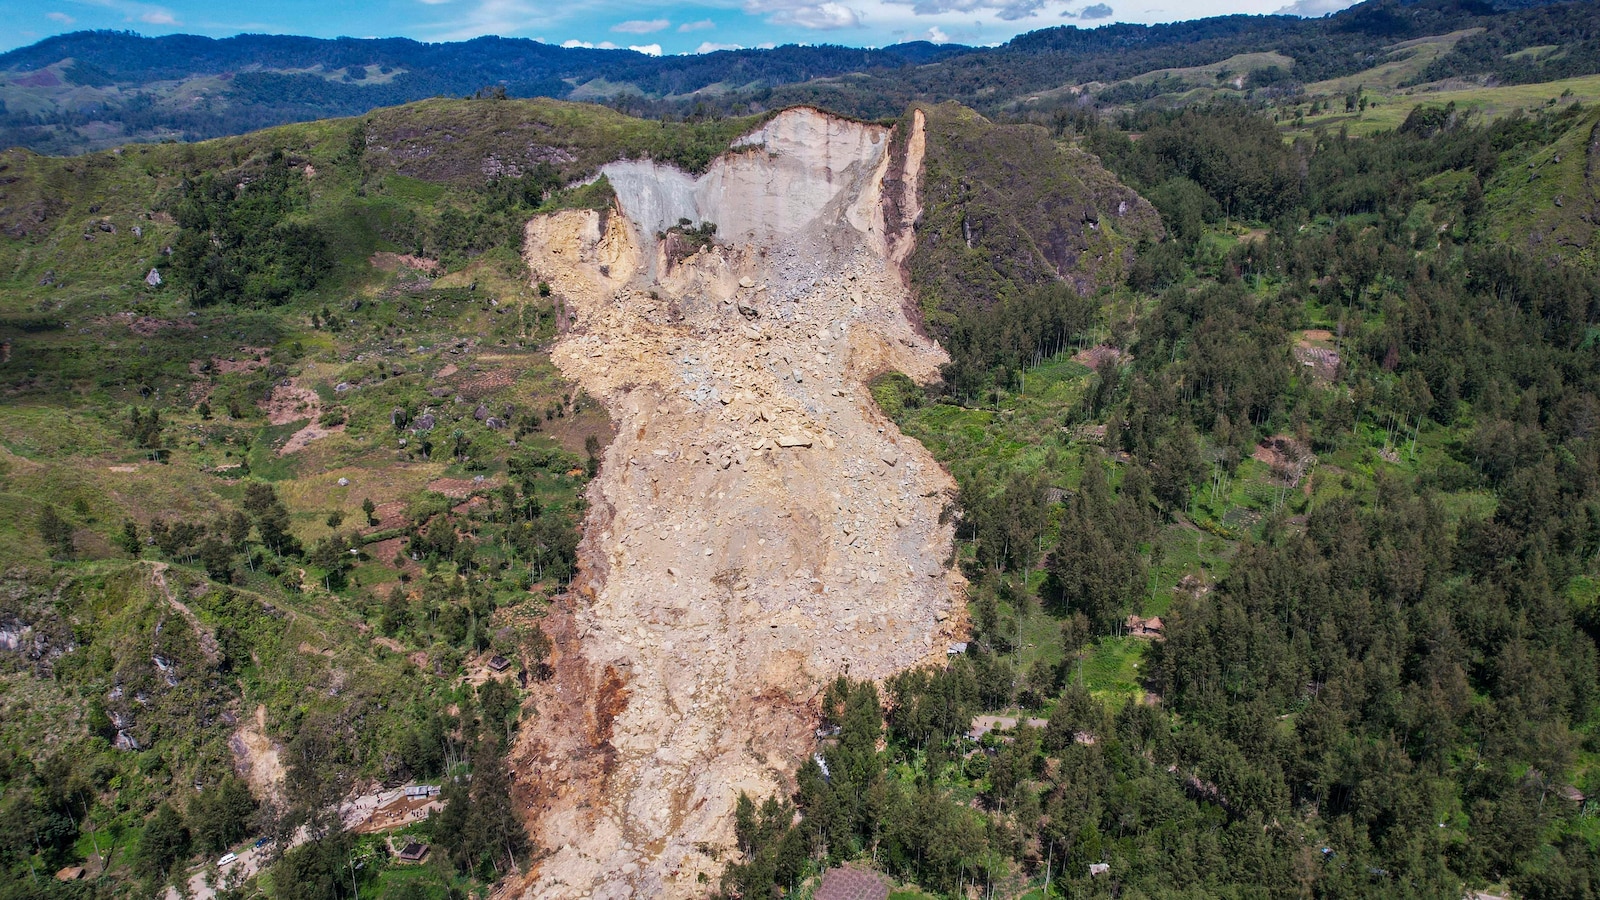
x=757, y=527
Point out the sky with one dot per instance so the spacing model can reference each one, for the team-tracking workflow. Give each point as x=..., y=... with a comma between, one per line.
x=649, y=26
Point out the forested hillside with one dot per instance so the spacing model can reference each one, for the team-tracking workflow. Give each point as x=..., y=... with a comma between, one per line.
x=284, y=469
x=1336, y=439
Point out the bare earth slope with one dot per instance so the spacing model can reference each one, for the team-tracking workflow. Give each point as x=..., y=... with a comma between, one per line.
x=757, y=527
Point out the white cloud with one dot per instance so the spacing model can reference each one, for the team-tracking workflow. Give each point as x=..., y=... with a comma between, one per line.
x=1313, y=9
x=147, y=13
x=824, y=16
x=433, y=2
x=640, y=26
x=709, y=47
x=571, y=43
x=936, y=35
x=1100, y=11
x=1008, y=10
x=496, y=17
x=61, y=17
x=702, y=25
x=646, y=49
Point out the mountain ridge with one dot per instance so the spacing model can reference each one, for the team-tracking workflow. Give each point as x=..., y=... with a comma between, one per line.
x=94, y=90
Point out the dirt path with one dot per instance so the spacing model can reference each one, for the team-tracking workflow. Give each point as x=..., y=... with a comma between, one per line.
x=757, y=527
x=208, y=641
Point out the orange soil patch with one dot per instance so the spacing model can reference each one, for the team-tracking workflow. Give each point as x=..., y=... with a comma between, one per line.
x=306, y=435
x=391, y=514
x=447, y=371
x=1094, y=356
x=385, y=552
x=471, y=504
x=1279, y=451
x=389, y=262
x=488, y=383
x=290, y=404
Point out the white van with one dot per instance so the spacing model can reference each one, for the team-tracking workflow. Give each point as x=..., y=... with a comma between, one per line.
x=227, y=858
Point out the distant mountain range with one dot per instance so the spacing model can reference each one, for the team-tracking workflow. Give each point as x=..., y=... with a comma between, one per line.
x=91, y=90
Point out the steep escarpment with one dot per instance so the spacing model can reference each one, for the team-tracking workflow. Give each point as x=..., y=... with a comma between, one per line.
x=1004, y=207
x=757, y=527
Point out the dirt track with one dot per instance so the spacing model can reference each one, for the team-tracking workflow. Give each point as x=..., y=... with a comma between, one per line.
x=757, y=528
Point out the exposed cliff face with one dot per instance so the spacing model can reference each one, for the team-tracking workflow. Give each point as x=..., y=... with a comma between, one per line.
x=757, y=527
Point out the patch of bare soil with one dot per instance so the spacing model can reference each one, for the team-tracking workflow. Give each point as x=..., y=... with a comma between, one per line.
x=1288, y=459
x=1094, y=356
x=391, y=514
x=291, y=403
x=1315, y=351
x=390, y=262
x=487, y=383
x=257, y=757
x=757, y=526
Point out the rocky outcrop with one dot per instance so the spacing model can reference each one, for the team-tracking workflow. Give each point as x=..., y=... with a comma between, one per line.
x=757, y=527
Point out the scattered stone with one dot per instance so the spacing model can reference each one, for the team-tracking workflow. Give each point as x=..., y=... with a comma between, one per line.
x=794, y=440
x=153, y=279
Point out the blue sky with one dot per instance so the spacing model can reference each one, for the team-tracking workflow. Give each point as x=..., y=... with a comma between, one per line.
x=654, y=26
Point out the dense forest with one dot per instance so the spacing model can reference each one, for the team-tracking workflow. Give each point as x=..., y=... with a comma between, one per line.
x=1387, y=684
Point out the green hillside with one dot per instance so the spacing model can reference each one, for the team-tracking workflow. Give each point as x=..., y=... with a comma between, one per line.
x=284, y=464
x=324, y=497
x=1334, y=433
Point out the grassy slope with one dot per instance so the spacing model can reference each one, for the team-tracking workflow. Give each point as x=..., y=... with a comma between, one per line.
x=1004, y=207
x=86, y=339
x=1549, y=205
